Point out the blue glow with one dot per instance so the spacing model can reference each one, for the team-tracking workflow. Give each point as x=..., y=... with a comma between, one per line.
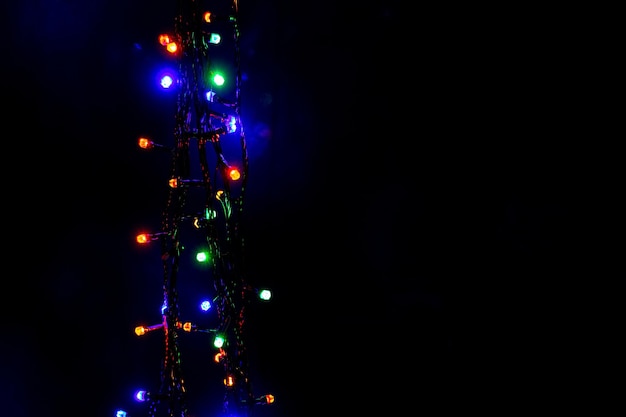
x=141, y=396
x=232, y=124
x=166, y=78
x=167, y=81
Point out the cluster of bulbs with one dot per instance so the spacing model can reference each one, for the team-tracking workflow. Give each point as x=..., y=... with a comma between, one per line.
x=209, y=129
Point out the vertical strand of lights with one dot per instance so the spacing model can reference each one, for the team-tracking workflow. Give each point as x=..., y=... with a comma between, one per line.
x=172, y=387
x=211, y=206
x=229, y=280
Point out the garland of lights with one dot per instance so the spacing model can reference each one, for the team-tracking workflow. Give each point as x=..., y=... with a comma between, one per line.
x=203, y=119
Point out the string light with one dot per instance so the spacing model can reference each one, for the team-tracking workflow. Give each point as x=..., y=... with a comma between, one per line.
x=180, y=182
x=205, y=305
x=219, y=341
x=142, y=330
x=265, y=294
x=206, y=118
x=215, y=38
x=233, y=173
x=143, y=238
x=212, y=18
x=147, y=144
x=142, y=395
x=265, y=399
x=168, y=42
x=212, y=97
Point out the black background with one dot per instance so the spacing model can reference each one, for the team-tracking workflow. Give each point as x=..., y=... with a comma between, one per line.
x=434, y=198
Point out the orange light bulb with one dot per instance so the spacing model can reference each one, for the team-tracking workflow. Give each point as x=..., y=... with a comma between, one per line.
x=164, y=39
x=234, y=174
x=171, y=47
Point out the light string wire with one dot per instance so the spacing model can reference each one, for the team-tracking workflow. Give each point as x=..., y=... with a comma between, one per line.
x=223, y=233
